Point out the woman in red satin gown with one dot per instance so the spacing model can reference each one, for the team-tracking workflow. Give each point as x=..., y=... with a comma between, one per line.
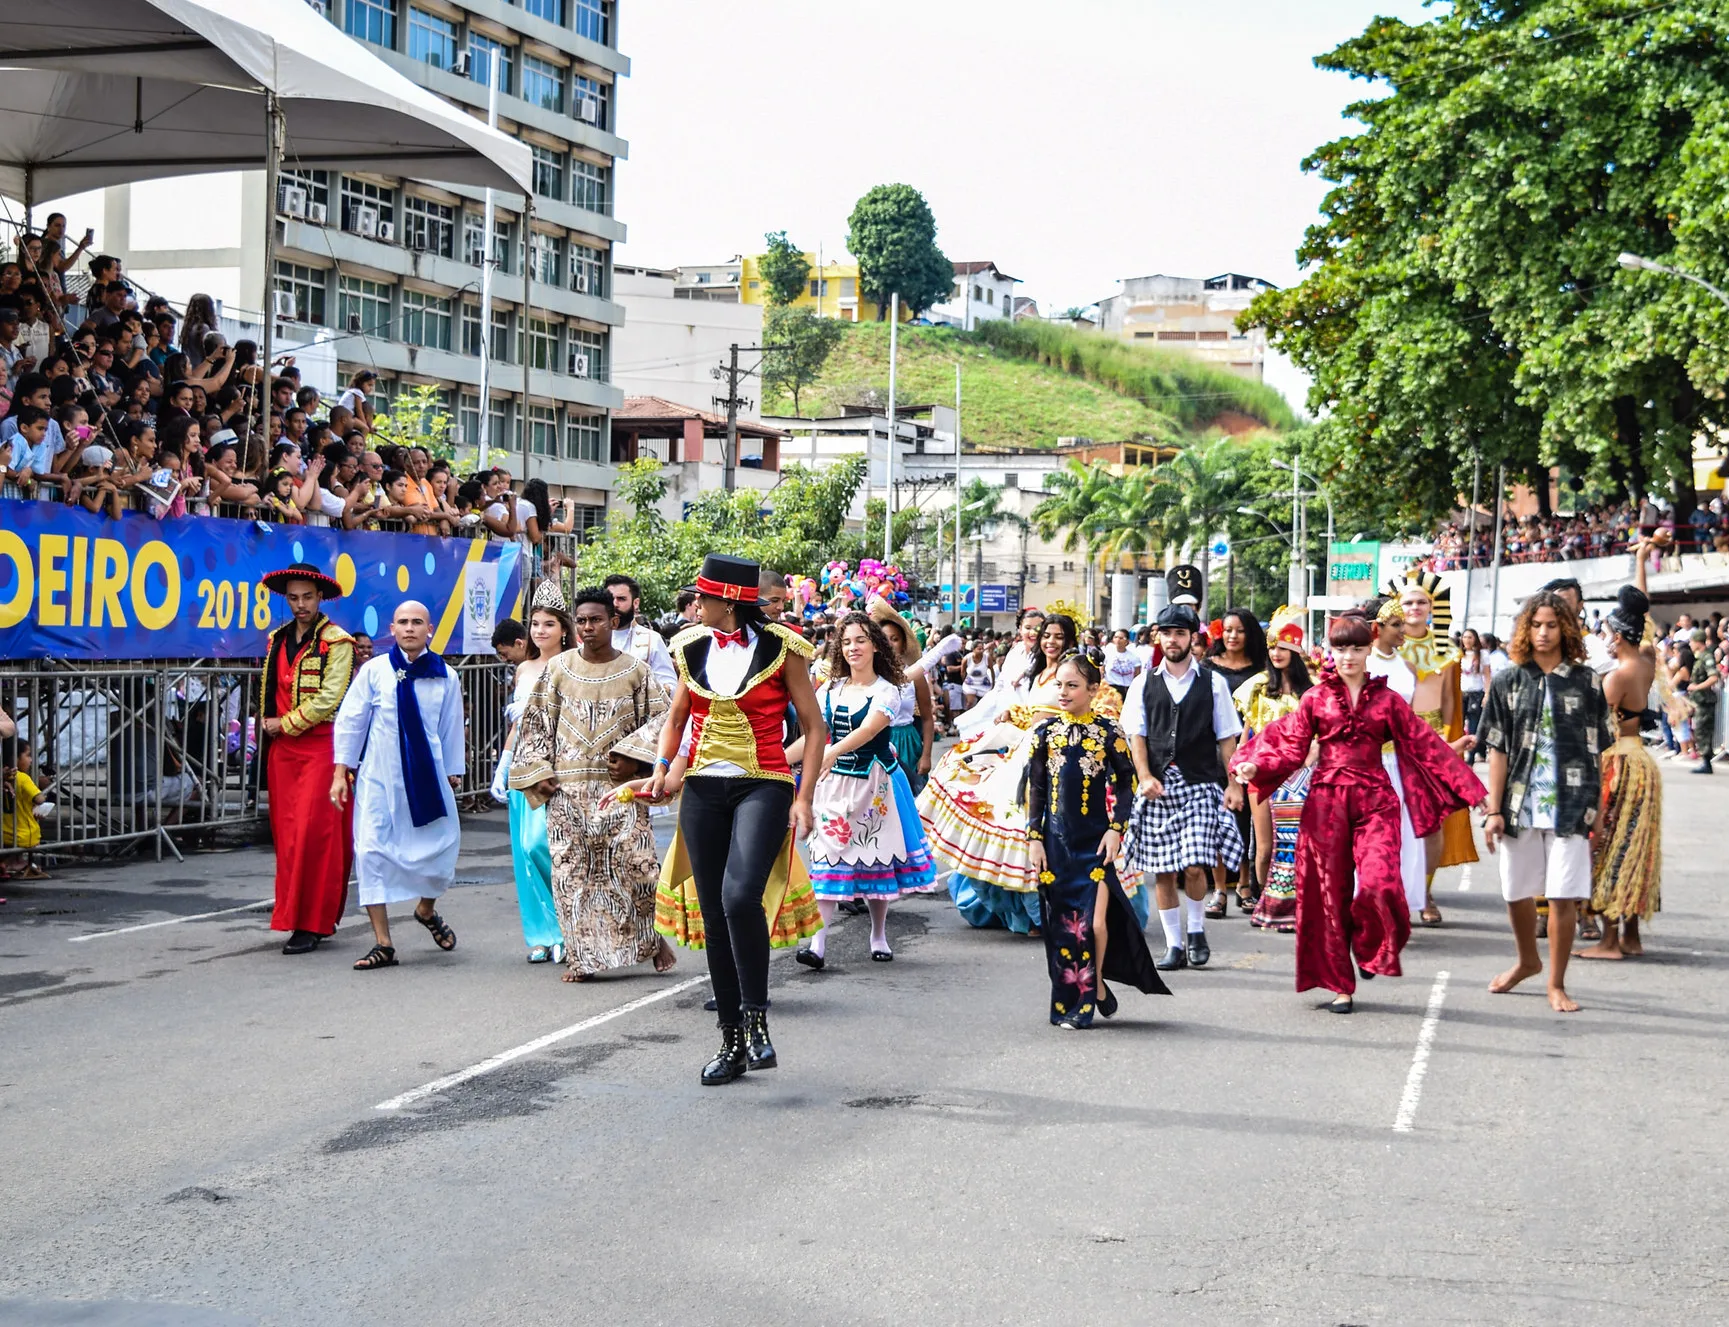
x=1350, y=899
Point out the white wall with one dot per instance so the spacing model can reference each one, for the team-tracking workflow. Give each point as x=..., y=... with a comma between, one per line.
x=668, y=346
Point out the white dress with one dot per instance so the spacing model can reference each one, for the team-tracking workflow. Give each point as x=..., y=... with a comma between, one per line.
x=394, y=861
x=1413, y=859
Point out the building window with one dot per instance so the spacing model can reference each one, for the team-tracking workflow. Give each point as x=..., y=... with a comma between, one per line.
x=363, y=306
x=542, y=344
x=542, y=430
x=1011, y=480
x=371, y=20
x=550, y=10
x=468, y=420
x=431, y=40
x=313, y=184
x=588, y=270
x=848, y=287
x=588, y=354
x=591, y=186
x=548, y=172
x=545, y=258
x=501, y=337
x=542, y=84
x=499, y=425
x=503, y=245
x=591, y=101
x=990, y=295
x=819, y=289
x=473, y=223
x=306, y=284
x=480, y=51
x=367, y=206
x=425, y=320
x=585, y=520
x=429, y=226
x=470, y=329
x=594, y=20
x=582, y=442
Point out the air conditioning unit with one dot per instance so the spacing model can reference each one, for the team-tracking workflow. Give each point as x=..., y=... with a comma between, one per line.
x=282, y=302
x=317, y=213
x=579, y=364
x=387, y=232
x=354, y=322
x=294, y=201
x=579, y=280
x=366, y=221
x=475, y=256
x=588, y=109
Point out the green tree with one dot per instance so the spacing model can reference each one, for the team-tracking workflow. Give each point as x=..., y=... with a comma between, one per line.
x=783, y=269
x=417, y=418
x=810, y=341
x=1463, y=292
x=894, y=237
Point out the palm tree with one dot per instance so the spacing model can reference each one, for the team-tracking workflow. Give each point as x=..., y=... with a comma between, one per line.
x=1079, y=494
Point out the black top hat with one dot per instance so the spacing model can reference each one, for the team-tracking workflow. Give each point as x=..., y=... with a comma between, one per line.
x=1177, y=617
x=277, y=581
x=734, y=579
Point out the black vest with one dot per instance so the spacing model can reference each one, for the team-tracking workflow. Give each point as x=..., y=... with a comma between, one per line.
x=1182, y=735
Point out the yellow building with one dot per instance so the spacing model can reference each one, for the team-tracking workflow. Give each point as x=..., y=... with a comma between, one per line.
x=832, y=293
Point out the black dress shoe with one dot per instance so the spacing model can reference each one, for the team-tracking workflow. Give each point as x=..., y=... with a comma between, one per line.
x=1107, y=1002
x=711, y=1004
x=810, y=959
x=1174, y=959
x=758, y=1050
x=728, y=1062
x=302, y=942
x=1199, y=952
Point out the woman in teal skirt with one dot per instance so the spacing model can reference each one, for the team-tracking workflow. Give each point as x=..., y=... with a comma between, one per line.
x=913, y=729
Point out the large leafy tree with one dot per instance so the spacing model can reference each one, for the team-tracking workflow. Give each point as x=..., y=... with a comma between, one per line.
x=894, y=237
x=1463, y=291
x=807, y=341
x=784, y=269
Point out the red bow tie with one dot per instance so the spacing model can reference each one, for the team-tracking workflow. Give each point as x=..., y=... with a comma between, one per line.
x=724, y=638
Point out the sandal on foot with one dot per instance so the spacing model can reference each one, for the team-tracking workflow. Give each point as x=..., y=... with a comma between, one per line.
x=442, y=935
x=1215, y=906
x=578, y=976
x=1590, y=929
x=1246, y=901
x=540, y=954
x=379, y=956
x=1430, y=916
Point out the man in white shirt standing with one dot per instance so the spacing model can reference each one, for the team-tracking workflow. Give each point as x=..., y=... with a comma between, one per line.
x=635, y=637
x=1182, y=736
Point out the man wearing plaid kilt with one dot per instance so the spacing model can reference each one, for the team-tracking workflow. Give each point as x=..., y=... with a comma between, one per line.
x=1183, y=728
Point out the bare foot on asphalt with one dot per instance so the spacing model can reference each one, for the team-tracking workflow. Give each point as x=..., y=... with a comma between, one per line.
x=664, y=958
x=1561, y=1002
x=1512, y=977
x=1604, y=950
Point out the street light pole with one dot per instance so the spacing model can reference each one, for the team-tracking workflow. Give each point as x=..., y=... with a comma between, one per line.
x=1632, y=262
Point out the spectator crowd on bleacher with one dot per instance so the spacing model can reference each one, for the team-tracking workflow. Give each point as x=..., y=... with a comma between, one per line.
x=1592, y=532
x=116, y=407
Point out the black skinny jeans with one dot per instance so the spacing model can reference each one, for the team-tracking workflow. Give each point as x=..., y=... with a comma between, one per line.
x=733, y=829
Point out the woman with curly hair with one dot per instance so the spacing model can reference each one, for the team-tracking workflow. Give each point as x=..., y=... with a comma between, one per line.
x=867, y=841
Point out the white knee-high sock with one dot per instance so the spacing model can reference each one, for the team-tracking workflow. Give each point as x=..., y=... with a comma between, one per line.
x=1172, y=920
x=879, y=910
x=819, y=941
x=1196, y=911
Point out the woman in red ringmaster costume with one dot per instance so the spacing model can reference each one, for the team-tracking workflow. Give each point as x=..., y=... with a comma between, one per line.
x=1350, y=898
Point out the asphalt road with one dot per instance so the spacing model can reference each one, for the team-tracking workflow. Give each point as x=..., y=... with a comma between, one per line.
x=192, y=1133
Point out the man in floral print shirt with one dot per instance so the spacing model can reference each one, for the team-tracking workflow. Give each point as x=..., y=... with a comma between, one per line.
x=1545, y=726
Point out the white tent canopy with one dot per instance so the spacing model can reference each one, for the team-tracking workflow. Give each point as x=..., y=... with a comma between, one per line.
x=100, y=92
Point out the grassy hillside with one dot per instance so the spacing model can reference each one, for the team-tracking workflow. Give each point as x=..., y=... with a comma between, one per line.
x=1028, y=385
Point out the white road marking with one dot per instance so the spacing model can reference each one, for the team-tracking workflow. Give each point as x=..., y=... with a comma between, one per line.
x=438, y=1085
x=1402, y=1123
x=173, y=921
x=1465, y=878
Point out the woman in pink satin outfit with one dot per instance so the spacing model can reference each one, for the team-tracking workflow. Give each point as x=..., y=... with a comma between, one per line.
x=1350, y=898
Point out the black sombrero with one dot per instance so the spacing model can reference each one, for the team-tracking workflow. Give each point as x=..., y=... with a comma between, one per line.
x=277, y=581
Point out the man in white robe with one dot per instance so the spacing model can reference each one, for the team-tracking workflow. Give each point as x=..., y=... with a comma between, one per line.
x=1385, y=661
x=395, y=859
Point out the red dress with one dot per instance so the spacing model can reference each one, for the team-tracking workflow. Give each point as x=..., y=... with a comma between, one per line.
x=1350, y=898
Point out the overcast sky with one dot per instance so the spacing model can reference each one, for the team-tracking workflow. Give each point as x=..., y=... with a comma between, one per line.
x=1072, y=142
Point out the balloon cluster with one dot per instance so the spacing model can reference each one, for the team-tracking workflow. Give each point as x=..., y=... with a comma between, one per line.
x=806, y=595
x=846, y=587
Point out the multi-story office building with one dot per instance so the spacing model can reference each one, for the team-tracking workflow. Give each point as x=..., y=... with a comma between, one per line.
x=388, y=272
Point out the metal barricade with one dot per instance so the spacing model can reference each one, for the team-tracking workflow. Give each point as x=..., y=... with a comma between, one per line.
x=168, y=752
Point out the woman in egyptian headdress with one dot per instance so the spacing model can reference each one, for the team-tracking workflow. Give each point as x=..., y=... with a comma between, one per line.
x=1439, y=702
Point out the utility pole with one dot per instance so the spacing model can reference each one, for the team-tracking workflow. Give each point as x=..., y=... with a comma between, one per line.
x=488, y=222
x=731, y=373
x=958, y=498
x=889, y=460
x=1495, y=576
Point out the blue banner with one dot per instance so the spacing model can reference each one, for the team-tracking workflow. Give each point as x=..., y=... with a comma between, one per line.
x=78, y=586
